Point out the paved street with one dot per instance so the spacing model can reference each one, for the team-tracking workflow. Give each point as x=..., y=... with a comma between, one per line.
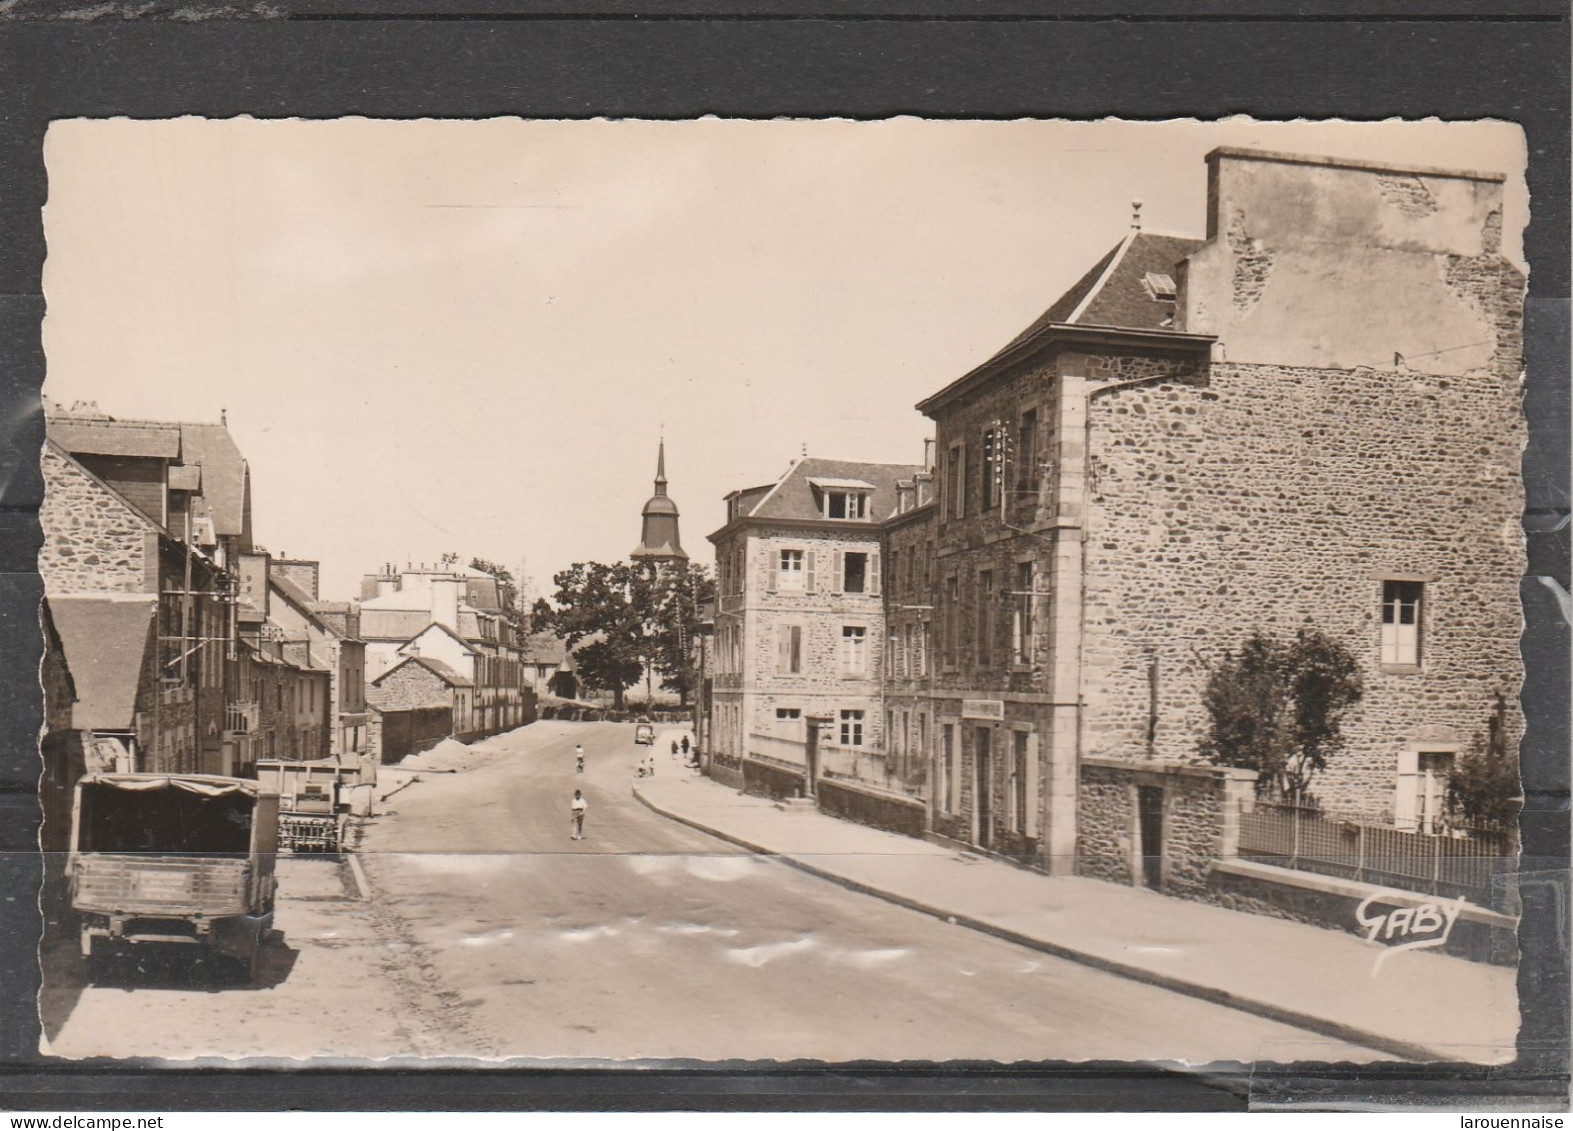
x=492, y=934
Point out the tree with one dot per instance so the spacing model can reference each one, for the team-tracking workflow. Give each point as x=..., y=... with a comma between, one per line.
x=678, y=588
x=1484, y=788
x=1277, y=708
x=613, y=604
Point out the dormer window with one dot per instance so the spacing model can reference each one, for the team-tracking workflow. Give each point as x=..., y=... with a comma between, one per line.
x=846, y=504
x=1160, y=286
x=846, y=499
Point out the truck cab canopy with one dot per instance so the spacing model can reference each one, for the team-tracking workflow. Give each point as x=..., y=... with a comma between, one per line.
x=165, y=813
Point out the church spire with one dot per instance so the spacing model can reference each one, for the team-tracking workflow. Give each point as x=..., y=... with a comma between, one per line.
x=658, y=538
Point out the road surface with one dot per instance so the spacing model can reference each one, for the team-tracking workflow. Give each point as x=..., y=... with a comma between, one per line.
x=492, y=934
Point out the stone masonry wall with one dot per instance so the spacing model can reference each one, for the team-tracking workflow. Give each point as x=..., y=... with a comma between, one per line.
x=1200, y=821
x=407, y=687
x=821, y=687
x=93, y=542
x=1271, y=498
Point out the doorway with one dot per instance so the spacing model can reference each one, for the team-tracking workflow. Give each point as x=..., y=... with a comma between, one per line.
x=1149, y=821
x=983, y=780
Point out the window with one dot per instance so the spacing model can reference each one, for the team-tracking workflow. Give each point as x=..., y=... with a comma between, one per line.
x=1421, y=801
x=854, y=573
x=893, y=586
x=985, y=616
x=789, y=657
x=956, y=481
x=851, y=728
x=1027, y=454
x=990, y=468
x=854, y=654
x=928, y=561
x=902, y=646
x=1160, y=286
x=789, y=569
x=1022, y=630
x=1401, y=622
x=846, y=504
x=947, y=767
x=787, y=714
x=920, y=662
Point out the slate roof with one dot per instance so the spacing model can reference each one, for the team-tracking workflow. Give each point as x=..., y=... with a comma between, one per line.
x=106, y=639
x=225, y=485
x=147, y=439
x=793, y=496
x=544, y=648
x=1112, y=293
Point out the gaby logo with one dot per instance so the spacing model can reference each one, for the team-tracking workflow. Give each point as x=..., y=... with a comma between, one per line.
x=1415, y=928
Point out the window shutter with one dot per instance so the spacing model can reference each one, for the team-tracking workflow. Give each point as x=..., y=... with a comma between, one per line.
x=961, y=480
x=810, y=565
x=775, y=568
x=1033, y=774
x=1405, y=815
x=837, y=571
x=873, y=573
x=783, y=649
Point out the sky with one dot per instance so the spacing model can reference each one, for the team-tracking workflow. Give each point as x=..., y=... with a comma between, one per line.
x=468, y=336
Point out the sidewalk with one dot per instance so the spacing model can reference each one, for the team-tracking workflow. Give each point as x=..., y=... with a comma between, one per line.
x=1421, y=1005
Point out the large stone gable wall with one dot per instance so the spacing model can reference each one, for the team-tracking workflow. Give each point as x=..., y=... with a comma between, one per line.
x=1271, y=498
x=408, y=687
x=93, y=542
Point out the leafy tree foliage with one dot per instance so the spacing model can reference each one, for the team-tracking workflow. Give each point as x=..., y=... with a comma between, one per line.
x=678, y=588
x=636, y=616
x=612, y=604
x=1277, y=707
x=1484, y=787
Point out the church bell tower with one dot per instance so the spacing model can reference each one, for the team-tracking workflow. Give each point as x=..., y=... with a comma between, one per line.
x=658, y=539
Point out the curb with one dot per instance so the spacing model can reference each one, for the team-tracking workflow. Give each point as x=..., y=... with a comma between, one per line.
x=1335, y=1029
x=358, y=874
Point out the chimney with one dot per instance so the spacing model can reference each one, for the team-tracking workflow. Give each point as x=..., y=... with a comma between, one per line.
x=445, y=601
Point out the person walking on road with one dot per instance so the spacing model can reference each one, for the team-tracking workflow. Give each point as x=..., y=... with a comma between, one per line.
x=578, y=757
x=685, y=746
x=578, y=807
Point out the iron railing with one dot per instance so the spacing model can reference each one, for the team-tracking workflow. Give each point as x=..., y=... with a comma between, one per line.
x=1467, y=865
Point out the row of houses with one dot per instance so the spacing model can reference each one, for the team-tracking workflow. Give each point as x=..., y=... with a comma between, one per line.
x=1309, y=417
x=179, y=645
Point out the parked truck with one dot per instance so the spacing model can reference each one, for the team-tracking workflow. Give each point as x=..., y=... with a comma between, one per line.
x=313, y=802
x=183, y=859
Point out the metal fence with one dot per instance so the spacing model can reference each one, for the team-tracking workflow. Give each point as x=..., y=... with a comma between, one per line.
x=1442, y=865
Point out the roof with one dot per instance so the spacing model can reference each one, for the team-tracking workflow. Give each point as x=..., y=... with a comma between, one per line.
x=437, y=668
x=1112, y=293
x=437, y=624
x=147, y=439
x=543, y=648
x=183, y=478
x=300, y=599
x=1112, y=298
x=224, y=476
x=793, y=496
x=106, y=638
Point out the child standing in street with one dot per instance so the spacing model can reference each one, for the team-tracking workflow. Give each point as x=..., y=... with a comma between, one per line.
x=578, y=807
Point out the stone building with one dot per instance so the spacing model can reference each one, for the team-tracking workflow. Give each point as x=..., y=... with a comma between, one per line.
x=800, y=621
x=1309, y=418
x=409, y=691
x=456, y=615
x=123, y=585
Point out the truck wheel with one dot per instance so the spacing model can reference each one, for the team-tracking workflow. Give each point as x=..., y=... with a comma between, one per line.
x=100, y=961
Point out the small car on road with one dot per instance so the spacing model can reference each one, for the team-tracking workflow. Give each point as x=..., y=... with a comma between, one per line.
x=644, y=735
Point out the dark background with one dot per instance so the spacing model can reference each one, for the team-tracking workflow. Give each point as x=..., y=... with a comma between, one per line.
x=810, y=58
